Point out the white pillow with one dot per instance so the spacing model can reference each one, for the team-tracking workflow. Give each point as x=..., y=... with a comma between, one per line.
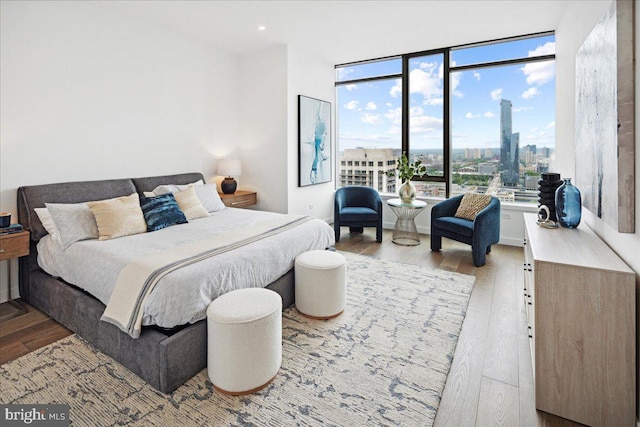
x=74, y=222
x=48, y=224
x=206, y=193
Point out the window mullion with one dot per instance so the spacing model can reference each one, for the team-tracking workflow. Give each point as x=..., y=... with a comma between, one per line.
x=446, y=124
x=405, y=104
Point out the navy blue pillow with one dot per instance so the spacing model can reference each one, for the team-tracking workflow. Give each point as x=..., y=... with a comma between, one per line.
x=161, y=211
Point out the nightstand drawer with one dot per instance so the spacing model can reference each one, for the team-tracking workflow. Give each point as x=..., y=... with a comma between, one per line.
x=14, y=245
x=239, y=199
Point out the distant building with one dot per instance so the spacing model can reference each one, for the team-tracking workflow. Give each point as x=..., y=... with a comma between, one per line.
x=487, y=168
x=509, y=142
x=366, y=166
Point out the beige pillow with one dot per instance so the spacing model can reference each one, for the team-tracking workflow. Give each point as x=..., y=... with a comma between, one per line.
x=118, y=217
x=189, y=203
x=471, y=204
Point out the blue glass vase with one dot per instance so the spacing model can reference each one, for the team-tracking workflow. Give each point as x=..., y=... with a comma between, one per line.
x=568, y=205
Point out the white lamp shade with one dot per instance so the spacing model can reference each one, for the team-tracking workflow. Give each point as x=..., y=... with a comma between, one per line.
x=229, y=167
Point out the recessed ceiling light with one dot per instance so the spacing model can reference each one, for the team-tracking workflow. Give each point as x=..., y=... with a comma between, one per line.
x=262, y=27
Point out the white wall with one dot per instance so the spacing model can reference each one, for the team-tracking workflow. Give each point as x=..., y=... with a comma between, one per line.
x=312, y=77
x=262, y=133
x=570, y=35
x=89, y=94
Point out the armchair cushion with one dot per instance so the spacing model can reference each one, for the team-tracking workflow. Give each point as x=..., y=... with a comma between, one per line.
x=460, y=226
x=471, y=204
x=358, y=214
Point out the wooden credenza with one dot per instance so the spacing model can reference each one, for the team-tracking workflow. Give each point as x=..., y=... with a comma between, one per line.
x=580, y=298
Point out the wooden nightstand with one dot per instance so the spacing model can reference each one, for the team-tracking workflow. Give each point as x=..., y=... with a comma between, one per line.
x=239, y=199
x=12, y=246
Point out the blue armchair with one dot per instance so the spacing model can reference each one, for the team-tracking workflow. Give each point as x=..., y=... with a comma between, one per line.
x=480, y=233
x=357, y=207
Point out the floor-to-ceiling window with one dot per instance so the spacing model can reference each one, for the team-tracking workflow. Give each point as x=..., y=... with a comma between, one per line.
x=480, y=117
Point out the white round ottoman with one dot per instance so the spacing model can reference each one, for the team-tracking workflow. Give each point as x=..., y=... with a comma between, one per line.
x=320, y=284
x=244, y=329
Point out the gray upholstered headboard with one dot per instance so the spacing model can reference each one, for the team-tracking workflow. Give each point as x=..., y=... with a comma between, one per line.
x=35, y=196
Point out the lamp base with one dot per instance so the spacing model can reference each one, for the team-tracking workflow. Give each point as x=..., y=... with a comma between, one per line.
x=228, y=185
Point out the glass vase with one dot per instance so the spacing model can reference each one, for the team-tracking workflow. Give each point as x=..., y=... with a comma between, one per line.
x=407, y=192
x=568, y=205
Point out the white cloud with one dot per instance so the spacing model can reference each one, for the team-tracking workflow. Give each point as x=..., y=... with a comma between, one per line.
x=419, y=123
x=530, y=93
x=549, y=48
x=520, y=109
x=388, y=104
x=351, y=86
x=489, y=114
x=344, y=72
x=351, y=105
x=426, y=81
x=539, y=73
x=371, y=106
x=372, y=119
x=395, y=115
x=396, y=90
x=551, y=125
x=476, y=75
x=471, y=116
x=496, y=94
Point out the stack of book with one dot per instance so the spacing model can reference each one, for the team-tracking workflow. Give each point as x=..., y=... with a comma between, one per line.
x=13, y=228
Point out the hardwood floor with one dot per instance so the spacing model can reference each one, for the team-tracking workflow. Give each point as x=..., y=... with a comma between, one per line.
x=491, y=379
x=28, y=332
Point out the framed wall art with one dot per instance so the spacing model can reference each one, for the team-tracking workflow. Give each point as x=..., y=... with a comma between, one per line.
x=314, y=141
x=605, y=140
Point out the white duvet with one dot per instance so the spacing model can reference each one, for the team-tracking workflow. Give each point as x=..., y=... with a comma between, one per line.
x=183, y=296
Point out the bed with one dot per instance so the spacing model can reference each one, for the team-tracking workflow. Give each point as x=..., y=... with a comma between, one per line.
x=171, y=349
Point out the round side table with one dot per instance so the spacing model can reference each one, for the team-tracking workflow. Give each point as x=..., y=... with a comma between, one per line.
x=405, y=232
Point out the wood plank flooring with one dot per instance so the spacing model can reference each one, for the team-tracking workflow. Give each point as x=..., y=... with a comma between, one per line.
x=491, y=379
x=490, y=382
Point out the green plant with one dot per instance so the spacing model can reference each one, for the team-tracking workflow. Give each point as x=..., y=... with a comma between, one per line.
x=406, y=170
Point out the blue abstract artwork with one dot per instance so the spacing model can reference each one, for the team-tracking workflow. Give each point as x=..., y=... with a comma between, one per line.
x=314, y=141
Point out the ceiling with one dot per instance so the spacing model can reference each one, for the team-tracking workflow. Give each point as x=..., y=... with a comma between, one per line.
x=345, y=31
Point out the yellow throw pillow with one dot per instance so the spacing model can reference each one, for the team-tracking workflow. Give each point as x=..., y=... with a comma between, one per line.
x=471, y=204
x=118, y=217
x=189, y=203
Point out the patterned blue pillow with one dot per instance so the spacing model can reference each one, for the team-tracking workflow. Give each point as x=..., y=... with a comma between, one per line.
x=161, y=211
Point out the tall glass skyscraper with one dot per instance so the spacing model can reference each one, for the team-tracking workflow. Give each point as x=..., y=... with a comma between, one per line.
x=509, y=142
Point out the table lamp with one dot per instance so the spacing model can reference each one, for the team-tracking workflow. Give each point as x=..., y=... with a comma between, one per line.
x=227, y=168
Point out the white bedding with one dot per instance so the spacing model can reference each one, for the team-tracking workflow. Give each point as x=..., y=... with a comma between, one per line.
x=183, y=296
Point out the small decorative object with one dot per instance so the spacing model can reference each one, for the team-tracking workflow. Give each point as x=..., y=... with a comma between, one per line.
x=568, y=205
x=406, y=171
x=314, y=141
x=547, y=186
x=5, y=219
x=227, y=168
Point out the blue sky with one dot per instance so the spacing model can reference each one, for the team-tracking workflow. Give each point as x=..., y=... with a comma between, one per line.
x=369, y=113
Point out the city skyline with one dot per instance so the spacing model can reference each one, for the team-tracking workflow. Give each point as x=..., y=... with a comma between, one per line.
x=369, y=113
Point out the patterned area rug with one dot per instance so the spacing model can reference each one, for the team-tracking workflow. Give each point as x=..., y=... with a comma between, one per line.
x=384, y=361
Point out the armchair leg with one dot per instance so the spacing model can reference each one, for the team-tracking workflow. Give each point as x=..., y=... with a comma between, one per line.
x=479, y=257
x=488, y=249
x=336, y=228
x=379, y=234
x=436, y=243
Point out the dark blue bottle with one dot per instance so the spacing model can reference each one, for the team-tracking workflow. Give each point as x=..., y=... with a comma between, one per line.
x=568, y=205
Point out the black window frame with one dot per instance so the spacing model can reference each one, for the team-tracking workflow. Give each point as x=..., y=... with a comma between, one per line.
x=446, y=83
